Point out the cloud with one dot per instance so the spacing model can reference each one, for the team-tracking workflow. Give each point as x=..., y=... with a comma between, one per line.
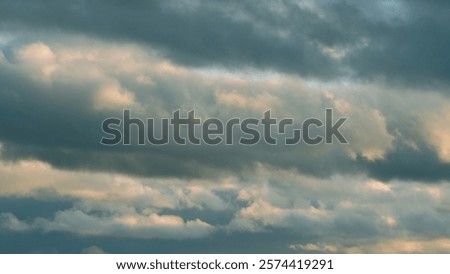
x=37, y=179
x=129, y=226
x=394, y=246
x=92, y=250
x=302, y=213
x=110, y=219
x=382, y=64
x=421, y=246
x=398, y=40
x=314, y=248
x=10, y=222
x=365, y=122
x=114, y=97
x=63, y=115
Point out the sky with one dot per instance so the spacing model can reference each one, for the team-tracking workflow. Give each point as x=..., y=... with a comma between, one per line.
x=66, y=66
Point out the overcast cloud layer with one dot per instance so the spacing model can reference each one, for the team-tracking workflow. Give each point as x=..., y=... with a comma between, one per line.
x=65, y=67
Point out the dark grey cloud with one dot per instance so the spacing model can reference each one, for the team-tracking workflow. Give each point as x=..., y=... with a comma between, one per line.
x=57, y=122
x=402, y=41
x=409, y=164
x=205, y=36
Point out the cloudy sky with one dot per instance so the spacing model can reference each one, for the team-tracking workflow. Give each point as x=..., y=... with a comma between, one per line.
x=65, y=66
